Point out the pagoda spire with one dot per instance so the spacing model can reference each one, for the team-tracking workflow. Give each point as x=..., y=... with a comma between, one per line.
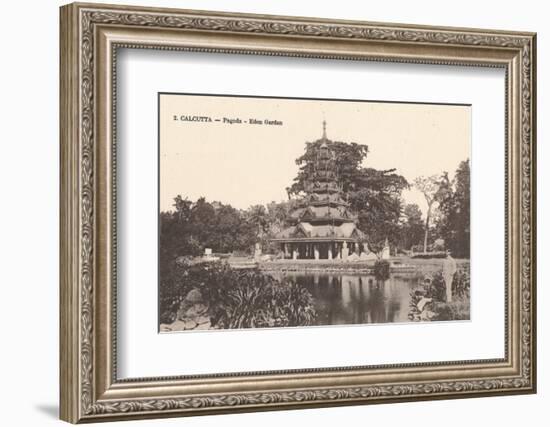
x=321, y=225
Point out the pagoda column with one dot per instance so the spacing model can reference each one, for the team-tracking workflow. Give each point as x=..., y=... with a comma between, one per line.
x=316, y=251
x=329, y=250
x=295, y=253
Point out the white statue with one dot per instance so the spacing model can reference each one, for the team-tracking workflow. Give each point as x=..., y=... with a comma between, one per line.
x=449, y=270
x=345, y=251
x=257, y=252
x=386, y=250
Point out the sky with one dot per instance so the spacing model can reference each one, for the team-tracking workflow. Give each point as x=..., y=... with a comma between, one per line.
x=244, y=164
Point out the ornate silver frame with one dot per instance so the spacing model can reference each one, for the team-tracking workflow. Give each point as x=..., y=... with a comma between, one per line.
x=90, y=36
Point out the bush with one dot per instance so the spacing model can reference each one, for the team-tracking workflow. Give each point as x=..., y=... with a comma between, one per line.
x=240, y=298
x=382, y=269
x=434, y=288
x=417, y=248
x=456, y=310
x=461, y=284
x=429, y=255
x=172, y=288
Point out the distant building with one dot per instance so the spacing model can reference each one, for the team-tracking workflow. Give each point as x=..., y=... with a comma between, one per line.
x=322, y=225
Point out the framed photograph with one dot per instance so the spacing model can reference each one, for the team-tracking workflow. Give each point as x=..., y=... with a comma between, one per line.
x=266, y=212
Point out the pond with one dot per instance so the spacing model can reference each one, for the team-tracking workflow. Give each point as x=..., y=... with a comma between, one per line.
x=343, y=299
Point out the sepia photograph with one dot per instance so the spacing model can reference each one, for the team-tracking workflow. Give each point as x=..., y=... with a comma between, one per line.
x=304, y=212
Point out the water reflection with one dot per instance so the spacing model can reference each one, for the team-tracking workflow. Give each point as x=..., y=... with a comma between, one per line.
x=342, y=299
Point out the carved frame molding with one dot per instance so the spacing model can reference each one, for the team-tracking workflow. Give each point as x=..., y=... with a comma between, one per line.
x=89, y=388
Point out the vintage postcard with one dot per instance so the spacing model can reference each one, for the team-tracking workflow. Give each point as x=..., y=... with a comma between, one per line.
x=294, y=212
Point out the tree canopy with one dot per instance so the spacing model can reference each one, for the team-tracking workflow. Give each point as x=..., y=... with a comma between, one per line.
x=412, y=226
x=454, y=204
x=375, y=195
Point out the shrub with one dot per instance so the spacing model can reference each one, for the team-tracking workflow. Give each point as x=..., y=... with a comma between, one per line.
x=461, y=284
x=434, y=287
x=240, y=298
x=417, y=248
x=455, y=310
x=382, y=269
x=172, y=289
x=429, y=255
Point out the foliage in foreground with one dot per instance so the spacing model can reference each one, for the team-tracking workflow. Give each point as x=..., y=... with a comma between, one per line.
x=237, y=298
x=434, y=288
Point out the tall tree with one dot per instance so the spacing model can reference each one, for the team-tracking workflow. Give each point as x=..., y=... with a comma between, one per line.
x=257, y=215
x=412, y=229
x=428, y=186
x=278, y=213
x=376, y=196
x=454, y=204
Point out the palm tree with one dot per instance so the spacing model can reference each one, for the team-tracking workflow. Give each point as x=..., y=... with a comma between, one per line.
x=257, y=215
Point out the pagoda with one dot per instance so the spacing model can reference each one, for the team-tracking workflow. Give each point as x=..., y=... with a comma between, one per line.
x=322, y=225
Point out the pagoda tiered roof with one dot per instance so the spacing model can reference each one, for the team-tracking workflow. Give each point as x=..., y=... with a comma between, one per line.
x=322, y=199
x=316, y=186
x=322, y=215
x=303, y=231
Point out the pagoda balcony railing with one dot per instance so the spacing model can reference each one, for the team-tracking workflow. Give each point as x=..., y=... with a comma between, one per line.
x=325, y=174
x=327, y=218
x=327, y=203
x=322, y=186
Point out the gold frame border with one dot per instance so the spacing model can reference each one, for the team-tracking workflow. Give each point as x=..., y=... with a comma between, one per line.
x=90, y=35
